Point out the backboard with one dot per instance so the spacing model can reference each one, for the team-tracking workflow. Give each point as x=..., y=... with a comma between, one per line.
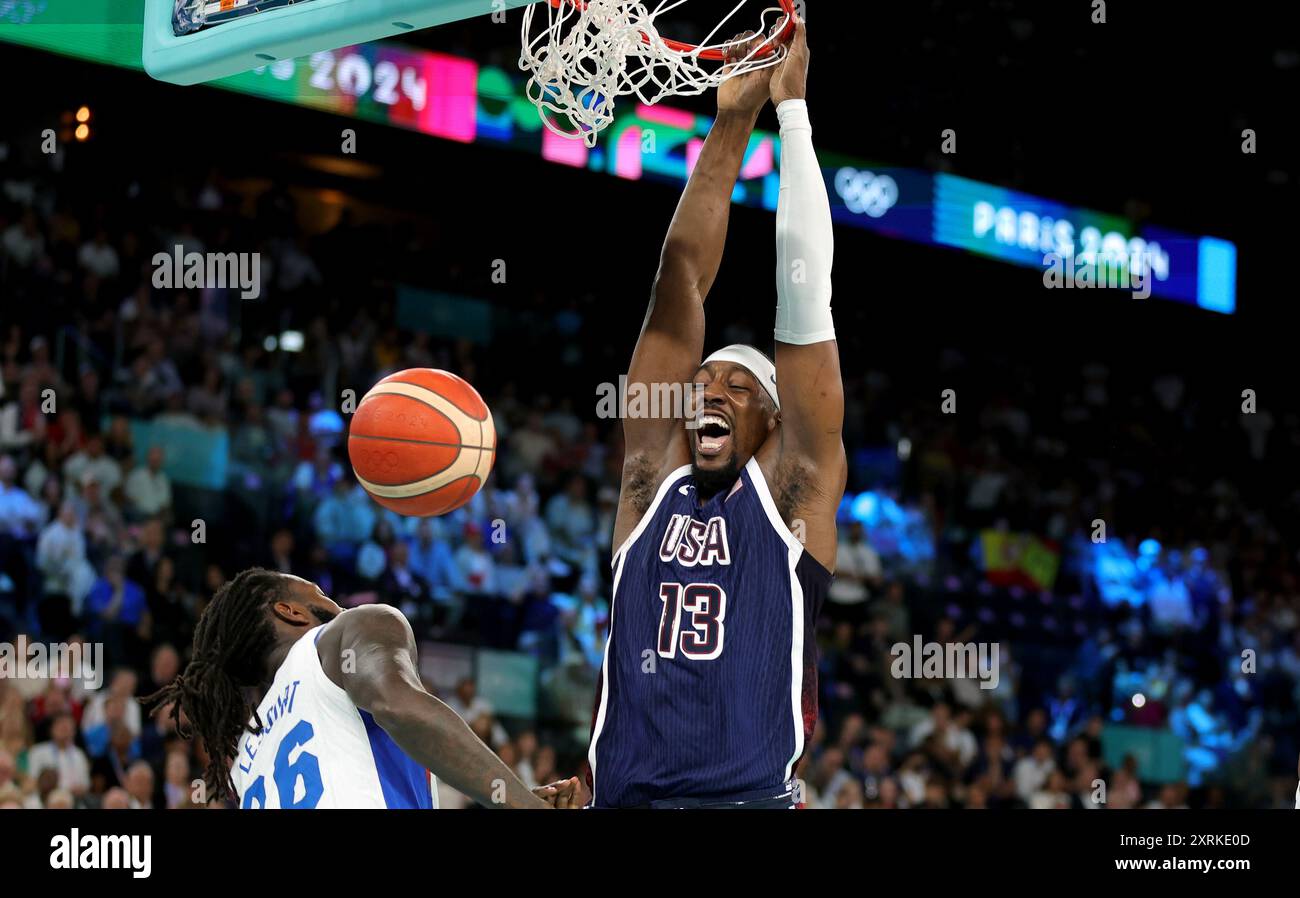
x=190, y=41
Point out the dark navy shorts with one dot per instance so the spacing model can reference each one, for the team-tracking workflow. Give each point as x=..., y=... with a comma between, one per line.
x=781, y=798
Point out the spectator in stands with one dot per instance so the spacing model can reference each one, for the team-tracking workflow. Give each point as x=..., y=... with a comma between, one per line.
x=39, y=369
x=475, y=710
x=23, y=242
x=178, y=785
x=1032, y=731
x=1125, y=792
x=281, y=557
x=116, y=799
x=530, y=445
x=89, y=404
x=1088, y=787
x=207, y=400
x=164, y=667
x=59, y=799
x=15, y=729
x=431, y=559
x=142, y=567
x=20, y=514
x=116, y=704
x=98, y=258
x=850, y=796
x=55, y=698
x=9, y=773
x=171, y=605
x=119, y=442
x=282, y=418
x=892, y=608
x=252, y=451
x=372, y=559
x=140, y=785
x=100, y=520
x=1032, y=771
x=93, y=463
x=46, y=783
x=325, y=423
x=826, y=778
x=475, y=568
x=531, y=528
x=118, y=608
x=858, y=573
x=148, y=488
x=49, y=498
x=1054, y=794
x=162, y=380
x=63, y=756
x=16, y=418
x=526, y=748
x=590, y=620
x=20, y=519
x=875, y=770
x=314, y=480
x=61, y=557
x=562, y=421
x=110, y=768
x=342, y=521
x=401, y=586
x=572, y=524
x=947, y=736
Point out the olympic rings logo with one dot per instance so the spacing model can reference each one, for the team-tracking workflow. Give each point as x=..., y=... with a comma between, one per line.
x=866, y=193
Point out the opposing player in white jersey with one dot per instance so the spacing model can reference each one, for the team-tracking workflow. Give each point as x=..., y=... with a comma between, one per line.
x=300, y=704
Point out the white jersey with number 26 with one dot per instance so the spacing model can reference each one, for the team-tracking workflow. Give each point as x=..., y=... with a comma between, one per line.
x=319, y=750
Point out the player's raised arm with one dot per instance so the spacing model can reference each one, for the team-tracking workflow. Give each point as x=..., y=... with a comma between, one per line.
x=381, y=677
x=672, y=337
x=807, y=356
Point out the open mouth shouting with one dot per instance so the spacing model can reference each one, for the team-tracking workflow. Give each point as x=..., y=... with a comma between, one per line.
x=712, y=434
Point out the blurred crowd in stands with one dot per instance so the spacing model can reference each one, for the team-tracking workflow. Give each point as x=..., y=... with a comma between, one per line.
x=101, y=541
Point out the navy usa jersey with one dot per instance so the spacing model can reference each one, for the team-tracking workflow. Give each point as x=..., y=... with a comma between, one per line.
x=709, y=683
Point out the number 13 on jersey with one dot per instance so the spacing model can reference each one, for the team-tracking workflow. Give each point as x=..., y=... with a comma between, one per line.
x=702, y=607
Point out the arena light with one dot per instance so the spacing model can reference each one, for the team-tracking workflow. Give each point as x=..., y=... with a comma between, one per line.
x=83, y=132
x=1139, y=700
x=83, y=114
x=291, y=341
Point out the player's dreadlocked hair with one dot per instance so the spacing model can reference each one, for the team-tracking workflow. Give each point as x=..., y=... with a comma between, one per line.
x=231, y=643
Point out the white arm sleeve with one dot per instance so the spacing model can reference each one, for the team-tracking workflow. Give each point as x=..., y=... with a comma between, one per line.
x=805, y=245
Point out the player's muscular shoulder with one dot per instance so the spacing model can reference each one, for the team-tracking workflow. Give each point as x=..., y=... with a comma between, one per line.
x=359, y=630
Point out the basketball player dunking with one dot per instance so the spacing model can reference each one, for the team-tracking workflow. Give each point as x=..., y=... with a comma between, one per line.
x=725, y=534
x=301, y=704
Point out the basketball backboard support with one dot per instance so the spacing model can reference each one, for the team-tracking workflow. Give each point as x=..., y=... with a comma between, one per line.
x=191, y=41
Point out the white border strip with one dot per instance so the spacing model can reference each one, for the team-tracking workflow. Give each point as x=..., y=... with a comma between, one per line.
x=794, y=550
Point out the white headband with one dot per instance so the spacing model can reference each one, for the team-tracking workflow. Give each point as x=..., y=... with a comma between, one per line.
x=752, y=361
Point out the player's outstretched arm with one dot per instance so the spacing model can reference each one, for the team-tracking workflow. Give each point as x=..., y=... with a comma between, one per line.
x=807, y=356
x=672, y=338
x=380, y=676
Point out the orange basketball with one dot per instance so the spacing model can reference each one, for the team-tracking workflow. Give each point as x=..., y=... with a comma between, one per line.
x=422, y=442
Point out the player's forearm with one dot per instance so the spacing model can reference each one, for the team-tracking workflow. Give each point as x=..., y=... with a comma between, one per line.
x=693, y=247
x=434, y=735
x=805, y=241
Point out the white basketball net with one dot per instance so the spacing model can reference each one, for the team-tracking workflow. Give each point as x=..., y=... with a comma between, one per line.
x=590, y=54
